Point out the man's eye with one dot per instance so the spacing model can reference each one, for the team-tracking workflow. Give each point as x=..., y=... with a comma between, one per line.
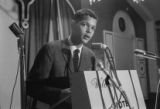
x=83, y=24
x=93, y=28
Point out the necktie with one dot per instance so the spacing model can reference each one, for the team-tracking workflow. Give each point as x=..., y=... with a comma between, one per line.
x=75, y=59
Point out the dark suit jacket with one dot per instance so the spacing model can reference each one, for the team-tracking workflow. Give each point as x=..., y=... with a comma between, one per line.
x=51, y=68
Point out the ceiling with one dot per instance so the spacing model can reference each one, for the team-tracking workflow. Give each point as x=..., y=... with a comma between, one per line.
x=154, y=7
x=149, y=9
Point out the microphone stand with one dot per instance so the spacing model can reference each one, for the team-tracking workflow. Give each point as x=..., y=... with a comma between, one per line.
x=115, y=85
x=107, y=82
x=24, y=6
x=112, y=68
x=152, y=57
x=108, y=85
x=119, y=86
x=21, y=50
x=22, y=71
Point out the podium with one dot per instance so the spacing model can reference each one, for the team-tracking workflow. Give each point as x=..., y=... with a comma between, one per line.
x=89, y=91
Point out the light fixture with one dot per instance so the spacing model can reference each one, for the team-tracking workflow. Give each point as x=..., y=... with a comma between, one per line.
x=138, y=1
x=93, y=1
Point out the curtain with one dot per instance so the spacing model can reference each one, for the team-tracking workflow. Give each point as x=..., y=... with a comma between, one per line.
x=38, y=32
x=64, y=13
x=42, y=13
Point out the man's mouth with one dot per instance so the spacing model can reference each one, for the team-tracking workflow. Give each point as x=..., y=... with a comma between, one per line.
x=86, y=37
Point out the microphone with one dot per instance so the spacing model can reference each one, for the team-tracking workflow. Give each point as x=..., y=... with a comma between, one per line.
x=100, y=65
x=16, y=30
x=93, y=62
x=145, y=54
x=99, y=46
x=67, y=53
x=139, y=51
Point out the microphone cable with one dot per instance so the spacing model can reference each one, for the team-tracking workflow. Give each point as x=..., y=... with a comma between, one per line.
x=111, y=61
x=113, y=68
x=15, y=82
x=156, y=102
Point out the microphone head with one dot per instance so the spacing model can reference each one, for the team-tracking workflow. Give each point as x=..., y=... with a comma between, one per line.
x=100, y=64
x=145, y=54
x=16, y=30
x=139, y=51
x=99, y=46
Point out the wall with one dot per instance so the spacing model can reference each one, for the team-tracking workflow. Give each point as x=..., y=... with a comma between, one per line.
x=152, y=64
x=106, y=10
x=8, y=57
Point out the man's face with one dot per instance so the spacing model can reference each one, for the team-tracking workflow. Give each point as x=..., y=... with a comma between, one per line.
x=85, y=29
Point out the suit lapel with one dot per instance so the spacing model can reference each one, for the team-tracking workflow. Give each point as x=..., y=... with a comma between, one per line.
x=82, y=58
x=86, y=60
x=67, y=54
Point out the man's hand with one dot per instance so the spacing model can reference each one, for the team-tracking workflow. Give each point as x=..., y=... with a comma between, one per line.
x=66, y=95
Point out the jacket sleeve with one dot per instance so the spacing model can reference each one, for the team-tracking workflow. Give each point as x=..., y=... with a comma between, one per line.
x=36, y=84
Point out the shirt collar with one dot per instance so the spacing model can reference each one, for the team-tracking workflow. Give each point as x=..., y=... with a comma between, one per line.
x=73, y=47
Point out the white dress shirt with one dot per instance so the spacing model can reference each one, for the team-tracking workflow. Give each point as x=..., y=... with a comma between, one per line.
x=72, y=48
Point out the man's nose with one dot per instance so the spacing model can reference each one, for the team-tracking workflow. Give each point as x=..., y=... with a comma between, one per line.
x=88, y=30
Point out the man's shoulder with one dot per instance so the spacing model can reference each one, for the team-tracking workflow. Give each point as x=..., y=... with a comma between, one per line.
x=88, y=50
x=51, y=46
x=54, y=43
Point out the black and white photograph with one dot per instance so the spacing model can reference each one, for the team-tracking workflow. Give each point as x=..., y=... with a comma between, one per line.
x=79, y=54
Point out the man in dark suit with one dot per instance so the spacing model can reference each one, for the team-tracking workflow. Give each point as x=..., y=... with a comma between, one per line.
x=48, y=80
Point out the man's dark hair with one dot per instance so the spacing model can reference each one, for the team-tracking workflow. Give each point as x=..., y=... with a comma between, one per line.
x=82, y=13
